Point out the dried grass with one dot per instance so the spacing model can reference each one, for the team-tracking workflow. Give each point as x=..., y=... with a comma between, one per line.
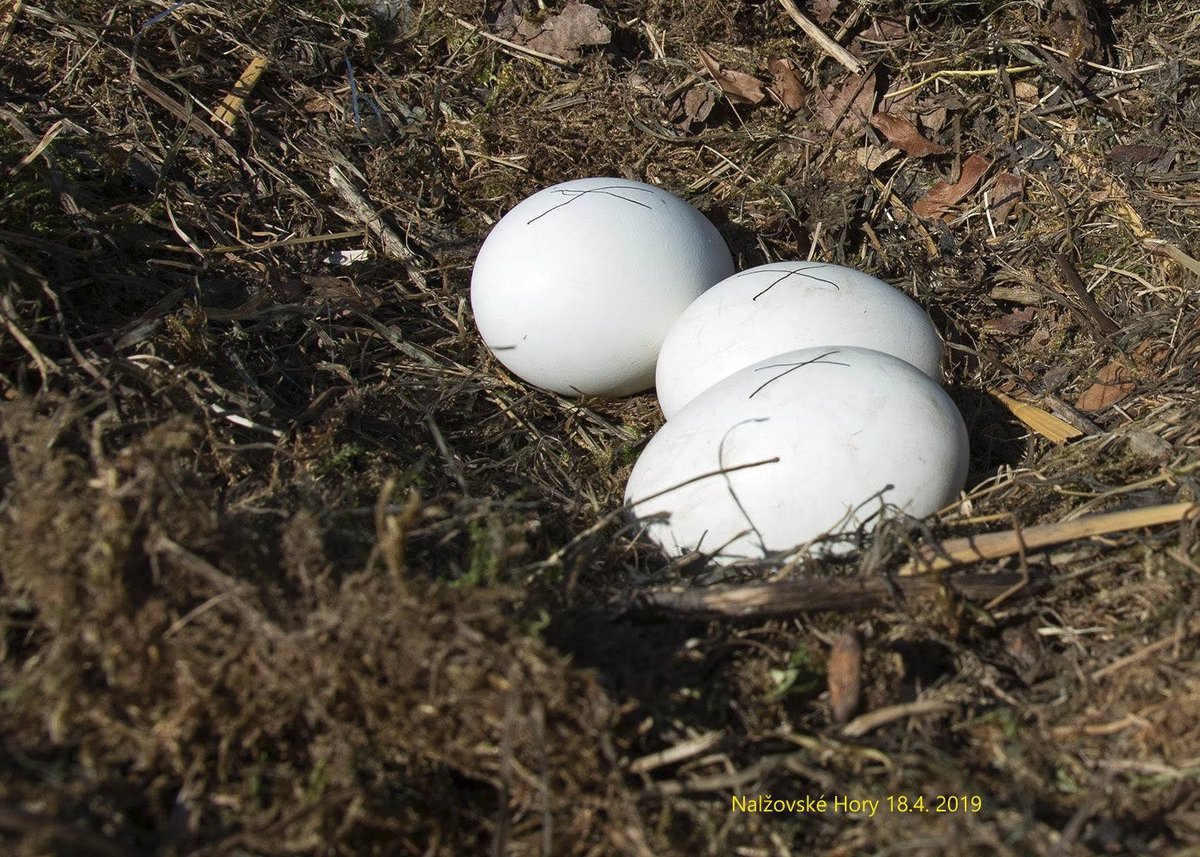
x=288, y=563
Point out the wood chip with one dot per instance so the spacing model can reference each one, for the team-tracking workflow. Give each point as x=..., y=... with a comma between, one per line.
x=8, y=19
x=697, y=104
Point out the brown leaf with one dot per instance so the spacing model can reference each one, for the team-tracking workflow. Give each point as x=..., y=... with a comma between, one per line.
x=1114, y=382
x=887, y=30
x=905, y=136
x=844, y=108
x=823, y=9
x=697, y=103
x=1137, y=154
x=874, y=157
x=1010, y=324
x=942, y=196
x=845, y=675
x=508, y=16
x=1151, y=355
x=1006, y=193
x=1026, y=92
x=1076, y=23
x=737, y=86
x=786, y=83
x=933, y=115
x=565, y=34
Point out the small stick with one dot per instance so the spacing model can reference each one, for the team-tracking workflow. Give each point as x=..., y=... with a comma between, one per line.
x=823, y=41
x=680, y=752
x=228, y=110
x=872, y=720
x=1107, y=325
x=969, y=549
x=393, y=244
x=814, y=594
x=513, y=46
x=8, y=20
x=1178, y=636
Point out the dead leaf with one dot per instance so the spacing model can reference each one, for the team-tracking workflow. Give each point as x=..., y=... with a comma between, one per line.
x=786, y=84
x=844, y=107
x=884, y=30
x=699, y=102
x=1114, y=382
x=694, y=106
x=905, y=136
x=874, y=157
x=932, y=115
x=565, y=34
x=1011, y=323
x=1151, y=356
x=318, y=104
x=823, y=9
x=1026, y=91
x=845, y=675
x=943, y=196
x=1137, y=154
x=509, y=16
x=1076, y=24
x=1006, y=193
x=737, y=86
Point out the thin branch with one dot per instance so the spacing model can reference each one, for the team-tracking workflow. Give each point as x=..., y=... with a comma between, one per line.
x=814, y=594
x=823, y=41
x=969, y=549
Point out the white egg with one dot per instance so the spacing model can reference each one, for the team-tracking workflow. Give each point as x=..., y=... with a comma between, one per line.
x=795, y=446
x=576, y=287
x=782, y=307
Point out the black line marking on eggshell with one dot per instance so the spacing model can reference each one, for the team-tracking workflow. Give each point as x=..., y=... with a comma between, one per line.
x=606, y=190
x=792, y=272
x=792, y=367
x=762, y=545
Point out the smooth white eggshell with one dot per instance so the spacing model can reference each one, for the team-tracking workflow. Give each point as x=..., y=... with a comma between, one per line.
x=784, y=306
x=576, y=287
x=843, y=423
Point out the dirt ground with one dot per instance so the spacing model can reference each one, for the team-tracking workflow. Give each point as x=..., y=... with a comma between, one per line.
x=289, y=564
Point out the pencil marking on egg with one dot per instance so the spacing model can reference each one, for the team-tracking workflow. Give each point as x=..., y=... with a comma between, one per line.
x=792, y=272
x=606, y=190
x=792, y=367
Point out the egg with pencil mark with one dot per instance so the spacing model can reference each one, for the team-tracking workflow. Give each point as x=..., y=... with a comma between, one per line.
x=575, y=288
x=785, y=306
x=799, y=445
